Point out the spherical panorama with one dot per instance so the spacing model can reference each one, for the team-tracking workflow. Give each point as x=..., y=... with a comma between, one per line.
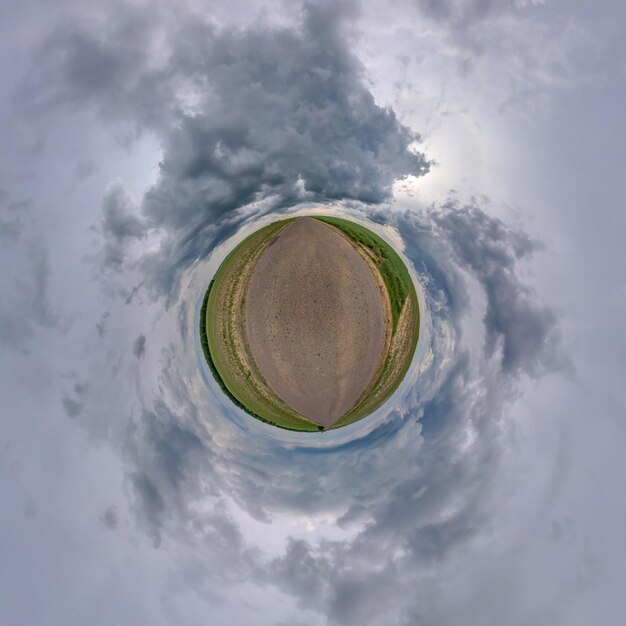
x=310, y=323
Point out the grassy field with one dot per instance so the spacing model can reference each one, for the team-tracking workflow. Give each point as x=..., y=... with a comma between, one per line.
x=392, y=270
x=402, y=300
x=223, y=337
x=222, y=334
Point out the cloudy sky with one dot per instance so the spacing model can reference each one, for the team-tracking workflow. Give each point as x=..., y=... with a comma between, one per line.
x=141, y=140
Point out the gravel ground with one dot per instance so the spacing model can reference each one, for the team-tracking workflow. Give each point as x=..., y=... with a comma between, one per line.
x=315, y=320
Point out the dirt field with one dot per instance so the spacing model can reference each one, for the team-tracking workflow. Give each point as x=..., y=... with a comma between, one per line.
x=315, y=320
x=224, y=342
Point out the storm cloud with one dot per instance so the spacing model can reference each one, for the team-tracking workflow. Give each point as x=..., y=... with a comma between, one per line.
x=260, y=113
x=143, y=141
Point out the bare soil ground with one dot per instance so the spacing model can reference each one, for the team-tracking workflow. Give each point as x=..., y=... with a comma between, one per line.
x=227, y=346
x=316, y=320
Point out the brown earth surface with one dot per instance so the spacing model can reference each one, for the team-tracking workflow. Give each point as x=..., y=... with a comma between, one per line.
x=315, y=320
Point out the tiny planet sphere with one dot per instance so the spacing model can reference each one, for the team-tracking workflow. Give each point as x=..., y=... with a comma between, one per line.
x=310, y=323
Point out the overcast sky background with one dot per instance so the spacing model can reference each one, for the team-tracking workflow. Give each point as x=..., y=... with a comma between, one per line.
x=486, y=139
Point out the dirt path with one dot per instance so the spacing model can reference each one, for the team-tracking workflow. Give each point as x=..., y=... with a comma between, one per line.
x=315, y=320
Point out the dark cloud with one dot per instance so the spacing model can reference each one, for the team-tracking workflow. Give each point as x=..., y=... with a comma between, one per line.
x=103, y=64
x=120, y=226
x=301, y=573
x=101, y=326
x=109, y=518
x=14, y=330
x=151, y=504
x=11, y=229
x=26, y=306
x=19, y=206
x=139, y=346
x=280, y=113
x=71, y=406
x=523, y=331
x=178, y=500
x=73, y=402
x=167, y=455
